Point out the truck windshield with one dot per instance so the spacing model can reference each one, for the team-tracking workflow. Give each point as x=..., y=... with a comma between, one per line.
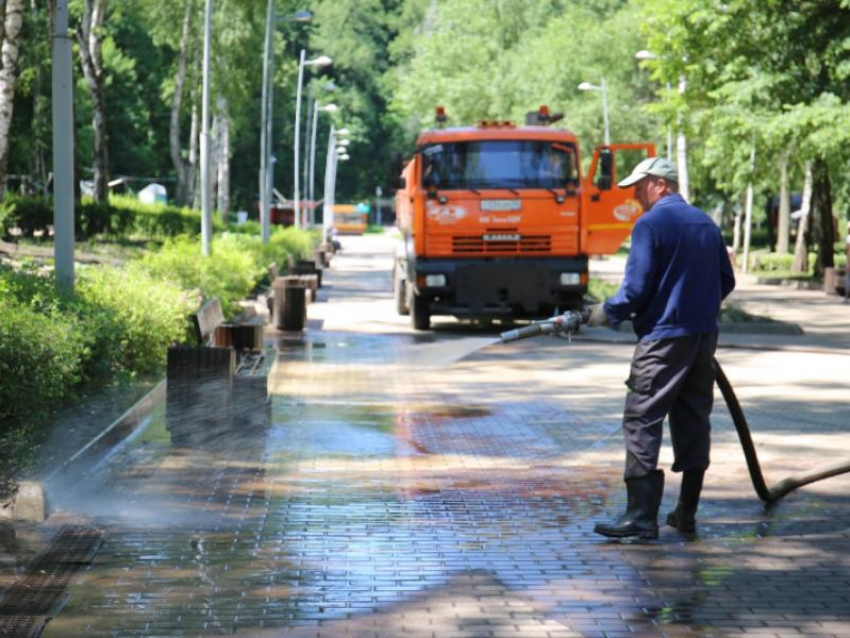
x=499, y=164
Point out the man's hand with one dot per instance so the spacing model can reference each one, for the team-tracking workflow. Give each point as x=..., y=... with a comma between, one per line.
x=597, y=316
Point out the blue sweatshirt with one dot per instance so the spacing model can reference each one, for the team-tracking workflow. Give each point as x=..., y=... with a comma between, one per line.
x=677, y=273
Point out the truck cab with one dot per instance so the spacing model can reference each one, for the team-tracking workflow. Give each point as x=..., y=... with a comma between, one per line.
x=497, y=221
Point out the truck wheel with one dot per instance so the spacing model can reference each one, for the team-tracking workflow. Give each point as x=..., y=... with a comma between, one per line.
x=420, y=312
x=401, y=298
x=400, y=291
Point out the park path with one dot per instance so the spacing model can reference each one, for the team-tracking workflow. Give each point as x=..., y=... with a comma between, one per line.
x=438, y=484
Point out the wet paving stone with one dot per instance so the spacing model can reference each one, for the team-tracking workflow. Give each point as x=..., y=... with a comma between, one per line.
x=399, y=492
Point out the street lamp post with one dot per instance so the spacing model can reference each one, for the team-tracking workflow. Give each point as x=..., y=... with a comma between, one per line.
x=62, y=81
x=327, y=205
x=309, y=136
x=317, y=108
x=206, y=213
x=320, y=61
x=681, y=141
x=603, y=87
x=266, y=165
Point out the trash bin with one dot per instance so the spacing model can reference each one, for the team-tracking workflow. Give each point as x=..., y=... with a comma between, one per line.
x=290, y=303
x=833, y=281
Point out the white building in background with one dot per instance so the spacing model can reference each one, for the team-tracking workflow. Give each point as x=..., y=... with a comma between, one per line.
x=153, y=194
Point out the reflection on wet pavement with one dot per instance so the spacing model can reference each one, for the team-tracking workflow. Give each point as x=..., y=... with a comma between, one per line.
x=392, y=493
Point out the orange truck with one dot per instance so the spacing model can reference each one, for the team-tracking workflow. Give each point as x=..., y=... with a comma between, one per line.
x=497, y=221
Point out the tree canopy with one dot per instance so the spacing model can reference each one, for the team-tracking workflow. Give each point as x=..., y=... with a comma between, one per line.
x=764, y=74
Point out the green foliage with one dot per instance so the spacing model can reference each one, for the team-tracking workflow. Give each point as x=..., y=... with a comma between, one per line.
x=777, y=262
x=130, y=318
x=290, y=241
x=781, y=262
x=121, y=217
x=40, y=360
x=26, y=213
x=600, y=290
x=238, y=262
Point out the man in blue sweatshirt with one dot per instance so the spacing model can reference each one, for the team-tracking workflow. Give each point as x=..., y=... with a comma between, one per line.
x=677, y=274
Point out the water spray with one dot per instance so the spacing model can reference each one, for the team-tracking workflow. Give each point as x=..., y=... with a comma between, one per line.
x=564, y=325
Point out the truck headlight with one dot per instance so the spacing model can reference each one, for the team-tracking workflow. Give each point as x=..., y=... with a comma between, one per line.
x=570, y=279
x=435, y=281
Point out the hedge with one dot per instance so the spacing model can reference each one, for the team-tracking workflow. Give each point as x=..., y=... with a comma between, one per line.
x=121, y=217
x=120, y=321
x=782, y=262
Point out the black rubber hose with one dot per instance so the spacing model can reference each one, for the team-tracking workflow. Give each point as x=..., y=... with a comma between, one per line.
x=772, y=494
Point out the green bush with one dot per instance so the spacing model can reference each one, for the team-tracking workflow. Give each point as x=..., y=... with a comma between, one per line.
x=121, y=217
x=29, y=214
x=120, y=321
x=777, y=262
x=129, y=319
x=230, y=274
x=600, y=290
x=290, y=241
x=40, y=361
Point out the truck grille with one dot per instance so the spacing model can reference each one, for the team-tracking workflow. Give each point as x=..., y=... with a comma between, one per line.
x=525, y=245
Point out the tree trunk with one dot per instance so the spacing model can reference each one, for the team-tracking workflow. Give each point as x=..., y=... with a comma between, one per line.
x=222, y=145
x=801, y=249
x=91, y=60
x=214, y=149
x=181, y=167
x=12, y=20
x=736, y=228
x=783, y=222
x=194, y=194
x=824, y=227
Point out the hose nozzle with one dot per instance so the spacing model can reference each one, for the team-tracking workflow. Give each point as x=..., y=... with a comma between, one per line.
x=566, y=323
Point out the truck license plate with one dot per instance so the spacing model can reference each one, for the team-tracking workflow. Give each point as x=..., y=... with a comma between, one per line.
x=500, y=237
x=500, y=204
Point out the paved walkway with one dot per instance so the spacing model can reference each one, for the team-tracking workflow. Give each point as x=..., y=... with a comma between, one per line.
x=440, y=484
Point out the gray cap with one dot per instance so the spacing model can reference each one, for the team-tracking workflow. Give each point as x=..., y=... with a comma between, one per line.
x=657, y=166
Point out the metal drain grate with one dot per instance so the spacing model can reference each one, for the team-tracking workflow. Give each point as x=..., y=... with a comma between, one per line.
x=29, y=604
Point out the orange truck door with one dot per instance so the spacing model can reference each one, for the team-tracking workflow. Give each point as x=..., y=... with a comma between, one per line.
x=608, y=212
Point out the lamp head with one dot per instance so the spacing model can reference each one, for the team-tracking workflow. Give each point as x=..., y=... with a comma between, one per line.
x=298, y=16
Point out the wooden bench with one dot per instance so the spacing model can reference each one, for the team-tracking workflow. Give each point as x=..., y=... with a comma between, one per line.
x=219, y=383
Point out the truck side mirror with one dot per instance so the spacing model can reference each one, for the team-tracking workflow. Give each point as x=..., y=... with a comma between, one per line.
x=399, y=182
x=606, y=170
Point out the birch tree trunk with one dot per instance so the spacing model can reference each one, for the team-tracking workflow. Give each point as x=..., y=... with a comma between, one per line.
x=181, y=166
x=194, y=138
x=11, y=20
x=91, y=59
x=214, y=137
x=748, y=214
x=736, y=228
x=194, y=194
x=223, y=154
x=783, y=222
x=801, y=249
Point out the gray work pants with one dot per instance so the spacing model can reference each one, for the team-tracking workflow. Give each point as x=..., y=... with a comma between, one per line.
x=675, y=378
